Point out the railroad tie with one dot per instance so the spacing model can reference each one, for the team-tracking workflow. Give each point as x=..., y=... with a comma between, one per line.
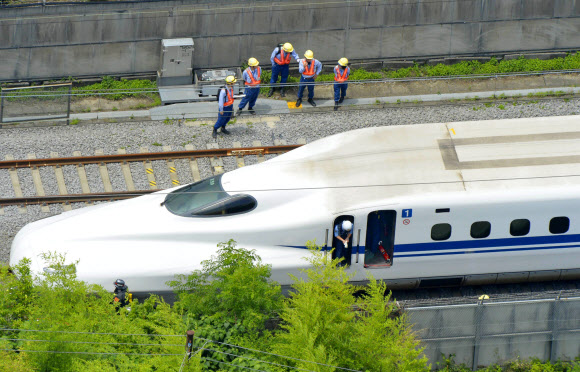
x=302, y=141
x=172, y=169
x=193, y=164
x=82, y=175
x=260, y=156
x=104, y=171
x=16, y=184
x=216, y=163
x=60, y=181
x=38, y=183
x=126, y=169
x=239, y=159
x=149, y=170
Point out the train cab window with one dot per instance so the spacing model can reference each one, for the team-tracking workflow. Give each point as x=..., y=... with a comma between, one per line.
x=441, y=231
x=480, y=229
x=520, y=227
x=232, y=205
x=559, y=225
x=191, y=197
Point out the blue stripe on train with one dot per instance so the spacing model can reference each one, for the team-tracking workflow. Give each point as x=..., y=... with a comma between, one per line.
x=476, y=243
x=486, y=251
x=487, y=243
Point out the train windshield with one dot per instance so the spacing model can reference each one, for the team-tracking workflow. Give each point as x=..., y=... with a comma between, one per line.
x=192, y=197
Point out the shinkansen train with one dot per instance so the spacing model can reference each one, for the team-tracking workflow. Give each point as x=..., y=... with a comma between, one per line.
x=433, y=204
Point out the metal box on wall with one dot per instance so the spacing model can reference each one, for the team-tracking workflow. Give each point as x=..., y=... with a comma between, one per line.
x=176, y=66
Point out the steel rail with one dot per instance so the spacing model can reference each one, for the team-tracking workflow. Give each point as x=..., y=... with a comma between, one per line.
x=148, y=156
x=73, y=198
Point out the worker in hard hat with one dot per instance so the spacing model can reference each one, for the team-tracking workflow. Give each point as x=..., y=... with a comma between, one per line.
x=341, y=74
x=281, y=57
x=309, y=69
x=226, y=106
x=252, y=76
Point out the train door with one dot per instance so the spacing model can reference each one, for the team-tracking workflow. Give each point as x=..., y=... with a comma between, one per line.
x=339, y=251
x=380, y=239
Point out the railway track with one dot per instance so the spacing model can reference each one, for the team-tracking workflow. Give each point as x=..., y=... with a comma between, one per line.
x=34, y=166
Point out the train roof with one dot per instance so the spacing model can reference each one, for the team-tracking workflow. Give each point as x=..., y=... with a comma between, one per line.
x=372, y=163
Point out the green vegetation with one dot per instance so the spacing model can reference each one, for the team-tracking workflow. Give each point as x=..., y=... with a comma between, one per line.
x=239, y=316
x=74, y=121
x=115, y=90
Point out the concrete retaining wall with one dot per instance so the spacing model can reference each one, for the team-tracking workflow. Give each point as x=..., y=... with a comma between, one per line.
x=100, y=39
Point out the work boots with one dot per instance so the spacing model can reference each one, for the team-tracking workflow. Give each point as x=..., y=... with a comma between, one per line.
x=214, y=133
x=298, y=102
x=282, y=93
x=239, y=112
x=225, y=131
x=311, y=101
x=336, y=106
x=271, y=92
x=341, y=99
x=251, y=111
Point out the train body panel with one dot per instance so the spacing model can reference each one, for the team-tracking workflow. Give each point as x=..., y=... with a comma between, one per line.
x=469, y=201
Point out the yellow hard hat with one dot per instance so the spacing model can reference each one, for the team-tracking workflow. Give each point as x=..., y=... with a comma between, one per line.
x=288, y=48
x=253, y=62
x=231, y=79
x=308, y=54
x=343, y=62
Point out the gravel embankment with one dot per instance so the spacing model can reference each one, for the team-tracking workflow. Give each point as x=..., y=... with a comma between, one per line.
x=87, y=138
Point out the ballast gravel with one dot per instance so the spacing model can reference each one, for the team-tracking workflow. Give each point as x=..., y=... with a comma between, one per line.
x=132, y=136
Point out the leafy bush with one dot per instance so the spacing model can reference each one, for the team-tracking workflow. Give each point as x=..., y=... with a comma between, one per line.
x=115, y=90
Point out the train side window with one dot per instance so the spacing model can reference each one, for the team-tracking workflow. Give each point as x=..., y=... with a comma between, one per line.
x=520, y=227
x=559, y=225
x=441, y=231
x=480, y=229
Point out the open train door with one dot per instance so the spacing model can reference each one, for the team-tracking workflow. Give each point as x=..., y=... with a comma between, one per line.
x=380, y=239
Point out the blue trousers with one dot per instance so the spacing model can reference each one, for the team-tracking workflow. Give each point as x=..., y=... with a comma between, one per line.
x=282, y=70
x=304, y=82
x=250, y=98
x=224, y=118
x=339, y=91
x=340, y=252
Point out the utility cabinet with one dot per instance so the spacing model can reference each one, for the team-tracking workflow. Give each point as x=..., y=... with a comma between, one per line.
x=176, y=66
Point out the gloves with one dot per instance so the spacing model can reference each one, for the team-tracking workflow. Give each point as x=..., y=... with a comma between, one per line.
x=345, y=245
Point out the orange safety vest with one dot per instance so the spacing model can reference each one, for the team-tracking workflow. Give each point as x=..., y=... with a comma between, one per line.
x=308, y=71
x=284, y=58
x=251, y=75
x=229, y=97
x=338, y=77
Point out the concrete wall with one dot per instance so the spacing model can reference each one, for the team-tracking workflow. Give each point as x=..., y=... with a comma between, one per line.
x=99, y=39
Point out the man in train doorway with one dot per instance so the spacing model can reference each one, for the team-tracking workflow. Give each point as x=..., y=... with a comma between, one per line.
x=226, y=106
x=309, y=69
x=281, y=57
x=341, y=74
x=342, y=233
x=252, y=81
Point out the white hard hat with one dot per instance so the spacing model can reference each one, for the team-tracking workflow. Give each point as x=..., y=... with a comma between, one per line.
x=347, y=225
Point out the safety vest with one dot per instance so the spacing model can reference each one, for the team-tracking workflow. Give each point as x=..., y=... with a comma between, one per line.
x=308, y=71
x=229, y=97
x=253, y=82
x=338, y=77
x=284, y=58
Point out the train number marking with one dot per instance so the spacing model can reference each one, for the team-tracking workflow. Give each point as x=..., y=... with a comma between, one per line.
x=407, y=213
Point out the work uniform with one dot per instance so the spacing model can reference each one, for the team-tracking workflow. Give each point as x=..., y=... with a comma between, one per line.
x=226, y=105
x=341, y=75
x=340, y=249
x=308, y=71
x=252, y=82
x=281, y=64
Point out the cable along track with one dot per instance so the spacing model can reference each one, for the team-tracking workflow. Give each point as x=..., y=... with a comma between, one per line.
x=212, y=153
